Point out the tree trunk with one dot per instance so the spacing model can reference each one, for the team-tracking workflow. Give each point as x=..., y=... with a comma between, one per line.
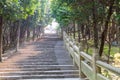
x=82, y=31
x=74, y=30
x=109, y=50
x=18, y=36
x=1, y=36
x=13, y=34
x=95, y=25
x=79, y=33
x=33, y=34
x=68, y=30
x=118, y=38
x=95, y=29
x=104, y=33
x=22, y=33
x=28, y=32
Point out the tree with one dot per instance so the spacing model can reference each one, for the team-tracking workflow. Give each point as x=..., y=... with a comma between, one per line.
x=93, y=16
x=104, y=33
x=15, y=11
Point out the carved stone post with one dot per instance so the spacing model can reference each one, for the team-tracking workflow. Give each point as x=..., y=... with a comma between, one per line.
x=95, y=68
x=73, y=52
x=64, y=39
x=81, y=75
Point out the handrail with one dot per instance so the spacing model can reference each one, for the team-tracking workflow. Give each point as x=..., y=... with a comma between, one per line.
x=86, y=56
x=109, y=67
x=77, y=54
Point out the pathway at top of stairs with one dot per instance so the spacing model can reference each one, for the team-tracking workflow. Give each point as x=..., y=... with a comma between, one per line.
x=44, y=59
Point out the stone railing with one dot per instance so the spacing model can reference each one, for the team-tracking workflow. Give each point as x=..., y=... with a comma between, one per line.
x=88, y=65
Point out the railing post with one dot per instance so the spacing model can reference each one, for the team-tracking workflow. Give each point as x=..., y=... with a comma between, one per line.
x=64, y=34
x=73, y=52
x=64, y=39
x=95, y=68
x=81, y=75
x=58, y=33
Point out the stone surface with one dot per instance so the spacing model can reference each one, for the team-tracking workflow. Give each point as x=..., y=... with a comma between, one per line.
x=56, y=79
x=43, y=59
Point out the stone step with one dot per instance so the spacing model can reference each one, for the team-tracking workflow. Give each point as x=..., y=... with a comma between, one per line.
x=39, y=58
x=34, y=60
x=29, y=69
x=32, y=63
x=55, y=79
x=40, y=72
x=44, y=59
x=35, y=66
x=16, y=77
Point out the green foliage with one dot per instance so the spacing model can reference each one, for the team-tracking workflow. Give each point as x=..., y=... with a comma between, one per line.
x=66, y=11
x=90, y=51
x=41, y=14
x=61, y=11
x=44, y=9
x=90, y=43
x=17, y=9
x=114, y=50
x=35, y=10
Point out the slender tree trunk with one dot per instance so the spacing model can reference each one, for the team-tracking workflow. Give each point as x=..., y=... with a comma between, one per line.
x=95, y=25
x=22, y=33
x=79, y=33
x=68, y=31
x=83, y=36
x=104, y=33
x=13, y=34
x=18, y=36
x=86, y=39
x=1, y=36
x=28, y=33
x=118, y=39
x=33, y=33
x=109, y=50
x=95, y=29
x=39, y=32
x=74, y=28
x=88, y=32
x=82, y=31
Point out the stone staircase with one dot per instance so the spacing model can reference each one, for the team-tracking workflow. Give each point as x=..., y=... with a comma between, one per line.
x=44, y=59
